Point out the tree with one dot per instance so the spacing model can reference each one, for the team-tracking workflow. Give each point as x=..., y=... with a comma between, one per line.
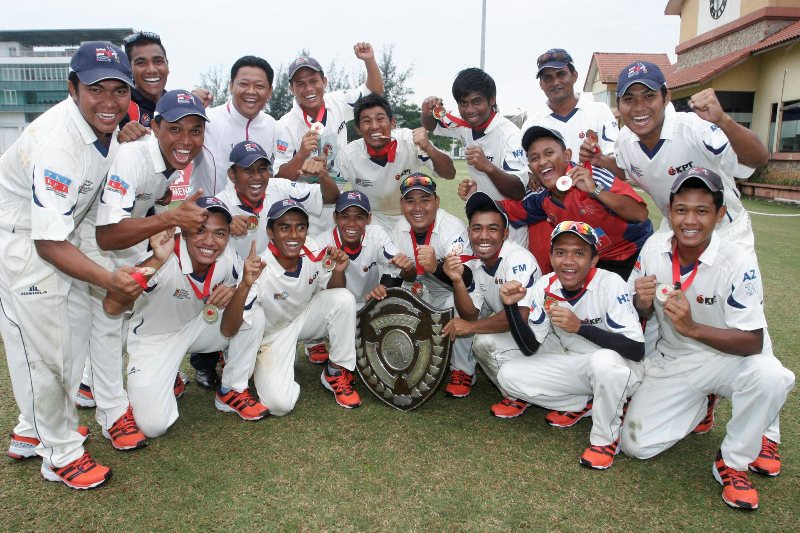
x=395, y=81
x=217, y=81
x=281, y=101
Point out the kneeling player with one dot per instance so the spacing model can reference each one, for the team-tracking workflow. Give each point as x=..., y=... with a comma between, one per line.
x=713, y=340
x=301, y=299
x=587, y=313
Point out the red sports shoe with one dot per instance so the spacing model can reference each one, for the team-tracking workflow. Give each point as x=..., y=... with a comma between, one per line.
x=460, y=384
x=707, y=424
x=82, y=473
x=241, y=403
x=181, y=380
x=768, y=462
x=25, y=447
x=737, y=491
x=125, y=434
x=508, y=408
x=84, y=398
x=317, y=354
x=600, y=457
x=567, y=419
x=341, y=385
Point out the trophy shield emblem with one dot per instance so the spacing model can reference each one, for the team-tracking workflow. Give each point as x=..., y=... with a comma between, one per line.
x=401, y=355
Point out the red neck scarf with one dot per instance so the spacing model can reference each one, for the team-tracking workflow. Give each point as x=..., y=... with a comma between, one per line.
x=589, y=279
x=320, y=115
x=206, y=291
x=388, y=150
x=348, y=251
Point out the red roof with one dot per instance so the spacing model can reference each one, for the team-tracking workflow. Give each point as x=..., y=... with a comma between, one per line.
x=609, y=64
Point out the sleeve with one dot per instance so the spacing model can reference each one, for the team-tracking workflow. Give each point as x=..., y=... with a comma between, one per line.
x=386, y=244
x=717, y=149
x=308, y=194
x=449, y=129
x=514, y=161
x=235, y=266
x=615, y=185
x=118, y=195
x=744, y=301
x=522, y=267
x=608, y=129
x=252, y=304
x=620, y=317
x=620, y=158
x=524, y=212
x=538, y=321
x=474, y=289
x=350, y=97
x=345, y=166
x=285, y=144
x=454, y=238
x=57, y=179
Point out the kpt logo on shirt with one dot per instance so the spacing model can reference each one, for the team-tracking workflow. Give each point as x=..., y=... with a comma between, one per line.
x=57, y=183
x=282, y=146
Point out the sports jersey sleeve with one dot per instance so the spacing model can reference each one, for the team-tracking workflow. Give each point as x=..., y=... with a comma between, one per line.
x=744, y=301
x=717, y=148
x=119, y=193
x=538, y=320
x=524, y=212
x=611, y=183
x=451, y=130
x=308, y=194
x=350, y=97
x=345, y=165
x=607, y=135
x=387, y=247
x=514, y=161
x=522, y=267
x=57, y=179
x=252, y=303
x=620, y=317
x=285, y=144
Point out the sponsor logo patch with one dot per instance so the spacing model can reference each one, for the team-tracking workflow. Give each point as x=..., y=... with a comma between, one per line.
x=57, y=183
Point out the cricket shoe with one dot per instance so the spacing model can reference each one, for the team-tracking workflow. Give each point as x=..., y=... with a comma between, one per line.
x=600, y=457
x=241, y=403
x=567, y=419
x=768, y=462
x=25, y=447
x=82, y=473
x=181, y=380
x=508, y=408
x=707, y=424
x=317, y=354
x=84, y=398
x=460, y=384
x=341, y=385
x=737, y=491
x=125, y=434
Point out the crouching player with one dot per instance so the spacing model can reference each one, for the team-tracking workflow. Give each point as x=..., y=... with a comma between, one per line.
x=302, y=296
x=179, y=312
x=497, y=260
x=707, y=297
x=593, y=365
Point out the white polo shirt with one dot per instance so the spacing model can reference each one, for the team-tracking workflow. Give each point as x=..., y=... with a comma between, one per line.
x=502, y=144
x=51, y=175
x=278, y=189
x=606, y=304
x=381, y=182
x=586, y=115
x=726, y=293
x=514, y=263
x=283, y=295
x=365, y=269
x=169, y=302
x=686, y=141
x=224, y=130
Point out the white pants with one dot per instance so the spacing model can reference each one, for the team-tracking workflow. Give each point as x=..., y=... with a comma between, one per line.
x=462, y=358
x=331, y=313
x=669, y=404
x=153, y=361
x=45, y=346
x=492, y=351
x=566, y=382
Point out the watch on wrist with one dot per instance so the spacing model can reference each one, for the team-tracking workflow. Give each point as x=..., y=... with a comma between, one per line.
x=596, y=192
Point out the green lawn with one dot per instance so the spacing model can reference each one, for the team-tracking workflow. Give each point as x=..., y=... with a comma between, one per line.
x=446, y=466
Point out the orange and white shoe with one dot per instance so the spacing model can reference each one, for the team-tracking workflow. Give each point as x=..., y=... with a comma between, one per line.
x=241, y=403
x=508, y=408
x=341, y=385
x=125, y=434
x=737, y=491
x=84, y=398
x=460, y=384
x=25, y=447
x=82, y=473
x=768, y=462
x=181, y=380
x=317, y=354
x=600, y=457
x=707, y=424
x=567, y=419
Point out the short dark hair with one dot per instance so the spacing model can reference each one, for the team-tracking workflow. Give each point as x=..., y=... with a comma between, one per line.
x=472, y=80
x=368, y=102
x=142, y=38
x=73, y=80
x=252, y=61
x=699, y=185
x=486, y=208
x=530, y=136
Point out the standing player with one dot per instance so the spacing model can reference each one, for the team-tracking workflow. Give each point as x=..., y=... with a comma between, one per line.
x=496, y=261
x=297, y=138
x=150, y=71
x=300, y=300
x=587, y=313
x=242, y=118
x=713, y=340
x=375, y=163
x=49, y=178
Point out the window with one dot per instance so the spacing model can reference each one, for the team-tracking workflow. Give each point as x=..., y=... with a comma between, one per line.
x=789, y=138
x=739, y=105
x=10, y=97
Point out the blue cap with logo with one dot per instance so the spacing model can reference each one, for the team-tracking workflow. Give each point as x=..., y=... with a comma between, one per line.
x=553, y=58
x=643, y=72
x=280, y=208
x=352, y=198
x=100, y=60
x=174, y=105
x=214, y=204
x=245, y=153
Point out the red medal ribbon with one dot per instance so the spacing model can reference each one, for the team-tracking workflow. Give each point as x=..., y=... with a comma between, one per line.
x=388, y=150
x=320, y=114
x=420, y=268
x=209, y=275
x=589, y=278
x=348, y=251
x=461, y=122
x=314, y=258
x=254, y=208
x=676, y=272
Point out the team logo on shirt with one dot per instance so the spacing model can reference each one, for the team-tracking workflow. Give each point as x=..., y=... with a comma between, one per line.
x=403, y=173
x=592, y=321
x=706, y=301
x=677, y=169
x=282, y=146
x=31, y=291
x=280, y=296
x=118, y=185
x=145, y=119
x=106, y=55
x=636, y=171
x=181, y=294
x=57, y=183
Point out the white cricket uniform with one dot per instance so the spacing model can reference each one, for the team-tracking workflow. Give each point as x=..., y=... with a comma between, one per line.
x=449, y=234
x=167, y=322
x=278, y=189
x=297, y=306
x=687, y=141
x=49, y=178
x=364, y=271
x=380, y=180
x=226, y=127
x=566, y=381
x=514, y=263
x=586, y=115
x=726, y=293
x=293, y=125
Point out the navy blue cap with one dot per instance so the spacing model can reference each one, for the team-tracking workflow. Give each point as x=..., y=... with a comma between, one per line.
x=480, y=199
x=537, y=132
x=709, y=177
x=418, y=182
x=278, y=209
x=353, y=198
x=642, y=72
x=245, y=153
x=212, y=203
x=100, y=60
x=553, y=58
x=174, y=105
x=303, y=62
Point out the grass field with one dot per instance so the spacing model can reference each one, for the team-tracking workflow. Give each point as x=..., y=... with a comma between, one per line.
x=447, y=466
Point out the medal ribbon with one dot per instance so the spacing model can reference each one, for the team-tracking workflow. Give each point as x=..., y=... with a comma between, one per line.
x=461, y=122
x=256, y=209
x=209, y=275
x=420, y=268
x=589, y=278
x=388, y=150
x=320, y=114
x=676, y=272
x=348, y=251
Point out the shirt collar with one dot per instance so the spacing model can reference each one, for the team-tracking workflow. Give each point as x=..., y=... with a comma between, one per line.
x=88, y=136
x=186, y=260
x=237, y=117
x=708, y=256
x=154, y=150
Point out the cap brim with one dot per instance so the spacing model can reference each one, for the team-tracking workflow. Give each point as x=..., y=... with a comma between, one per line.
x=345, y=205
x=678, y=183
x=650, y=84
x=551, y=64
x=423, y=188
x=292, y=73
x=584, y=238
x=220, y=209
x=174, y=115
x=248, y=160
x=94, y=75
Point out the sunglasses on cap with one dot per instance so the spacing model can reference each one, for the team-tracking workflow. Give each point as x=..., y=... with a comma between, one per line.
x=141, y=36
x=560, y=56
x=581, y=229
x=417, y=179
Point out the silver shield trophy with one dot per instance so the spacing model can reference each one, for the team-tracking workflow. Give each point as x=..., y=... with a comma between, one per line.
x=401, y=355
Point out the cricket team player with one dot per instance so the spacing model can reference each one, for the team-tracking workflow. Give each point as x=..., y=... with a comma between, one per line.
x=150, y=68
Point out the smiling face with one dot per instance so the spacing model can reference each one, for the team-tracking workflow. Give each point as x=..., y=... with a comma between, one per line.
x=250, y=91
x=150, y=70
x=487, y=232
x=180, y=141
x=308, y=87
x=558, y=84
x=475, y=108
x=375, y=126
x=288, y=234
x=548, y=161
x=251, y=182
x=419, y=208
x=206, y=245
x=103, y=105
x=693, y=216
x=642, y=110
x=352, y=224
x=572, y=259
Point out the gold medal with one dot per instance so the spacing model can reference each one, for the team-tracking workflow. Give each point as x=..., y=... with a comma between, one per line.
x=439, y=112
x=417, y=289
x=210, y=313
x=662, y=291
x=549, y=303
x=252, y=222
x=327, y=262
